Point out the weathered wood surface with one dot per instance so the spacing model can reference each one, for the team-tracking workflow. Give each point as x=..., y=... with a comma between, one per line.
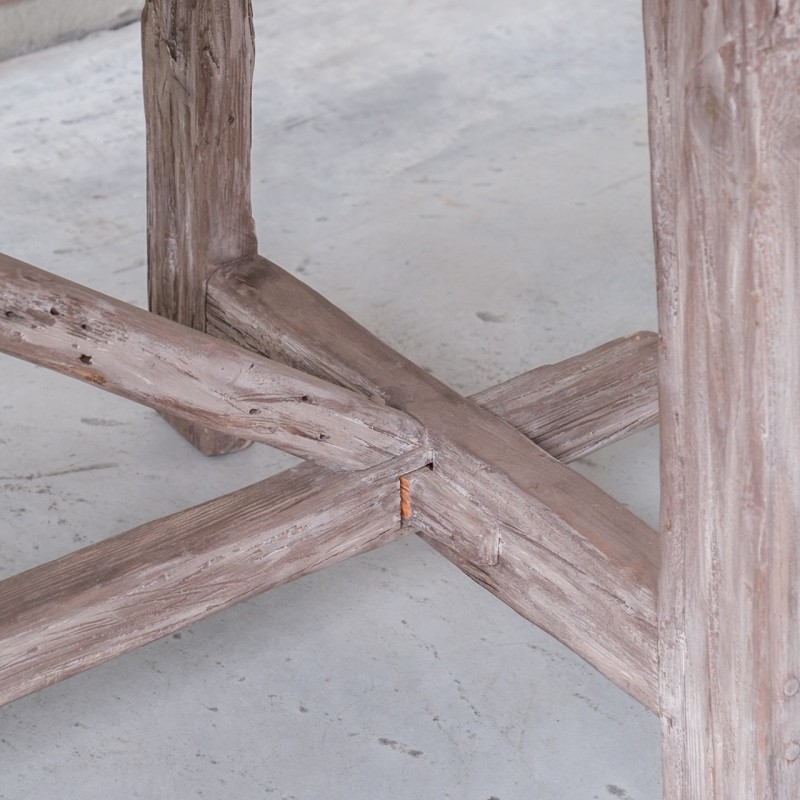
x=570, y=409
x=725, y=144
x=593, y=541
x=131, y=352
x=109, y=598
x=449, y=517
x=585, y=402
x=197, y=63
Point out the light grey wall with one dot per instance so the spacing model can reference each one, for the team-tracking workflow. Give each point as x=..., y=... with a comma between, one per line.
x=27, y=25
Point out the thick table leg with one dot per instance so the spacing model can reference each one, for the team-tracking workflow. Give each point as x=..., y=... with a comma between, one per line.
x=725, y=139
x=198, y=66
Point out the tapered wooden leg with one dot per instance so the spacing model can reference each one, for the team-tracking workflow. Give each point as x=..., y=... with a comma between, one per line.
x=725, y=139
x=198, y=67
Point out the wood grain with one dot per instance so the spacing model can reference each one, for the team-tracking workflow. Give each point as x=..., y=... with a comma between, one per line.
x=109, y=598
x=131, y=352
x=453, y=519
x=583, y=403
x=593, y=541
x=570, y=409
x=197, y=69
x=725, y=146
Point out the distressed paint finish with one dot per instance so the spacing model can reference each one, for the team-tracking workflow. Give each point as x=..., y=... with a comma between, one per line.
x=197, y=69
x=131, y=352
x=725, y=144
x=586, y=538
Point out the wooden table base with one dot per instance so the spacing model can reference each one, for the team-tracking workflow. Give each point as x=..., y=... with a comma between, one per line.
x=236, y=350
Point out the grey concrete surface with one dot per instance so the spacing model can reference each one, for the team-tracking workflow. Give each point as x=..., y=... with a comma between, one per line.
x=28, y=25
x=467, y=179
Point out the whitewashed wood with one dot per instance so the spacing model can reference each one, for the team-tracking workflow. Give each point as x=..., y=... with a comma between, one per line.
x=537, y=581
x=197, y=62
x=453, y=519
x=585, y=402
x=725, y=128
x=593, y=541
x=569, y=409
x=125, y=350
x=532, y=578
x=109, y=598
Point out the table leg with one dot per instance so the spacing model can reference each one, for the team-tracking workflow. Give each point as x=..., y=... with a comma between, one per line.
x=725, y=146
x=198, y=67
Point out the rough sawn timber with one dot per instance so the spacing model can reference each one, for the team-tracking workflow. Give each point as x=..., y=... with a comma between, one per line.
x=570, y=409
x=563, y=428
x=599, y=579
x=585, y=402
x=725, y=149
x=136, y=354
x=197, y=63
x=109, y=598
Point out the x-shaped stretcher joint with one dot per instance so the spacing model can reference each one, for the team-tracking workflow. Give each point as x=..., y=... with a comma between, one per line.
x=408, y=453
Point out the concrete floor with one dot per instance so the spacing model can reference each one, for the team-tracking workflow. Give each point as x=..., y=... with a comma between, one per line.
x=467, y=179
x=28, y=25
